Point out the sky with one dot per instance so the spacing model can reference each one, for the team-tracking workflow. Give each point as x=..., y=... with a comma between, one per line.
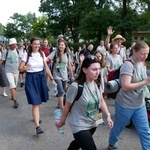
x=9, y=7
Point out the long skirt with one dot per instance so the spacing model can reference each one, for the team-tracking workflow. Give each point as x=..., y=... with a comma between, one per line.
x=36, y=88
x=3, y=78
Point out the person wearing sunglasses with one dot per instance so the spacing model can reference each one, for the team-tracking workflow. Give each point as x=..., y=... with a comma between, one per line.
x=83, y=114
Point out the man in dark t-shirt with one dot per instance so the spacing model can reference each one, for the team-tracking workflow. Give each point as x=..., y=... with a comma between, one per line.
x=85, y=52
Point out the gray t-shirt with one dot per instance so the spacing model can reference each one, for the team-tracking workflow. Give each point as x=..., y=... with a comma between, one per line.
x=113, y=62
x=60, y=69
x=122, y=53
x=11, y=62
x=133, y=99
x=83, y=110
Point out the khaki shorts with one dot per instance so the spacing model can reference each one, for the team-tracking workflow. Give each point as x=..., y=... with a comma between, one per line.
x=12, y=79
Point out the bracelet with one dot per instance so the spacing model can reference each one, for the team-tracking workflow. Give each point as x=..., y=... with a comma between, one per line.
x=108, y=114
x=52, y=79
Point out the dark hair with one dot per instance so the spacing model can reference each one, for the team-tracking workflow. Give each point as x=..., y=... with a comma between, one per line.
x=2, y=47
x=90, y=59
x=112, y=46
x=59, y=54
x=30, y=47
x=103, y=60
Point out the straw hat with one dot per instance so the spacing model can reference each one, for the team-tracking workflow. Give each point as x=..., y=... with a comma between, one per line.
x=119, y=37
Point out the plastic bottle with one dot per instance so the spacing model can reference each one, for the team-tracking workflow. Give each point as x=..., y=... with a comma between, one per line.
x=55, y=90
x=57, y=115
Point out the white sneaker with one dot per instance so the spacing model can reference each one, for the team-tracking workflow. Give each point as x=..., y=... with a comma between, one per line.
x=4, y=94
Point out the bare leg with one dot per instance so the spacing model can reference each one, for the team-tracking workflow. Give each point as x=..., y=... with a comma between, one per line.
x=36, y=114
x=61, y=102
x=13, y=93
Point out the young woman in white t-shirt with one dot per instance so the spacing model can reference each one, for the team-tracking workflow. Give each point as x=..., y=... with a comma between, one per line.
x=113, y=61
x=34, y=63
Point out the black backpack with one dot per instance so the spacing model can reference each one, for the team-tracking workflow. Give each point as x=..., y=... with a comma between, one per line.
x=79, y=93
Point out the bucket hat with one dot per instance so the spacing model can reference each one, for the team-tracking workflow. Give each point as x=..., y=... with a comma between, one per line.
x=119, y=37
x=12, y=41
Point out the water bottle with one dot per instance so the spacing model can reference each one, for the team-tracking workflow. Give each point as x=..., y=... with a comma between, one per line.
x=55, y=91
x=57, y=115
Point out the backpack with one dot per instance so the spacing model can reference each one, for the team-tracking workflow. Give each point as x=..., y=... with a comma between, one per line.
x=114, y=75
x=79, y=93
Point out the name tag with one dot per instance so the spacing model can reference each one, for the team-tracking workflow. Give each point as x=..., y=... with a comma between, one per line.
x=98, y=116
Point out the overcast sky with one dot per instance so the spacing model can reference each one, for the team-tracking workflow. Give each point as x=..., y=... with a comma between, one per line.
x=9, y=7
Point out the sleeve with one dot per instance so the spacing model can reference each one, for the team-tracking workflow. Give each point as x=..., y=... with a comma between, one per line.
x=24, y=57
x=108, y=61
x=71, y=92
x=127, y=68
x=51, y=56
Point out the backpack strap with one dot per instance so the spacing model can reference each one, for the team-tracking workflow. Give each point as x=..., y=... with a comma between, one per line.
x=79, y=93
x=6, y=57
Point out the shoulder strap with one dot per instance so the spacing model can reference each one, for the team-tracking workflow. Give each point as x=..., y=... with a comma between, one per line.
x=17, y=51
x=79, y=93
x=129, y=60
x=6, y=57
x=27, y=59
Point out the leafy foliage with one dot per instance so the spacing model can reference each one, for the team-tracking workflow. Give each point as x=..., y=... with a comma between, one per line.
x=81, y=19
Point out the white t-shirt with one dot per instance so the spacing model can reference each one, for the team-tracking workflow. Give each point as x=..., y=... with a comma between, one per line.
x=113, y=62
x=35, y=60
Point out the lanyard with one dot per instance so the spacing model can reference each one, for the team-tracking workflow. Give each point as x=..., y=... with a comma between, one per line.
x=95, y=99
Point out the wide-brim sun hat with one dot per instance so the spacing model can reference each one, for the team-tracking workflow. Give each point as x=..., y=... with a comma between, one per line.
x=12, y=41
x=119, y=37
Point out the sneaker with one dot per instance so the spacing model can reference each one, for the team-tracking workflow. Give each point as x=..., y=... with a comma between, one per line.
x=4, y=94
x=39, y=130
x=16, y=104
x=111, y=147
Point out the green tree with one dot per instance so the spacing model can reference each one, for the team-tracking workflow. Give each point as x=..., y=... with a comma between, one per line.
x=41, y=28
x=65, y=16
x=1, y=29
x=20, y=26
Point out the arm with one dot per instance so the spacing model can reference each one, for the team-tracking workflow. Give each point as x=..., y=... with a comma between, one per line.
x=64, y=115
x=23, y=67
x=128, y=86
x=1, y=62
x=108, y=69
x=49, y=73
x=71, y=71
x=104, y=109
x=107, y=40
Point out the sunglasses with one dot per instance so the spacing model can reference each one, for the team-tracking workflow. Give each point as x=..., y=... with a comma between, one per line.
x=92, y=57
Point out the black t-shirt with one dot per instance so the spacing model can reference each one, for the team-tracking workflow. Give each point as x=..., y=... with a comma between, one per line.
x=85, y=52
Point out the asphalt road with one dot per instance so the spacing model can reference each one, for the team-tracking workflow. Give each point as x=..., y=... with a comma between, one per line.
x=17, y=130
